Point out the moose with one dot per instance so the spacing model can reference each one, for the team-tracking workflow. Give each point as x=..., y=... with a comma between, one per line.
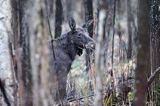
x=63, y=51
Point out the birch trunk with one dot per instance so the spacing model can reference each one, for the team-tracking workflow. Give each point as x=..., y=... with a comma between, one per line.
x=7, y=90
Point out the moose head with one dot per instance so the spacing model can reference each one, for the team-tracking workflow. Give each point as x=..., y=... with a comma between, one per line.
x=80, y=36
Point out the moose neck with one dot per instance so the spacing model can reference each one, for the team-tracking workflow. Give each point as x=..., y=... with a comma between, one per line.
x=64, y=42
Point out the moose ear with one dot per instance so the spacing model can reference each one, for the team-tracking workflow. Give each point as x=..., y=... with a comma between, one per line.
x=86, y=25
x=72, y=24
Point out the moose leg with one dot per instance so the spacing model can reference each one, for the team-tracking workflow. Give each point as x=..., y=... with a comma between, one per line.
x=62, y=80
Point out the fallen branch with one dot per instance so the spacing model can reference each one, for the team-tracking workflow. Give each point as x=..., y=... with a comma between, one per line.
x=153, y=76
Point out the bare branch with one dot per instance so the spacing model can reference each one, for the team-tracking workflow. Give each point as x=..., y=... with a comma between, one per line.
x=153, y=76
x=48, y=21
x=80, y=98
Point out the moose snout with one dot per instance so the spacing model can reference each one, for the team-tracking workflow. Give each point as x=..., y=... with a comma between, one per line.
x=90, y=45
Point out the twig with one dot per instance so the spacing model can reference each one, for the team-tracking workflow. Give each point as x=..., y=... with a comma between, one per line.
x=113, y=28
x=153, y=76
x=49, y=26
x=83, y=97
x=80, y=98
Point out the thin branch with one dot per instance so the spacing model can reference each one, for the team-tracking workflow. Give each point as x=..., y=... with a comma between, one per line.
x=113, y=28
x=48, y=21
x=80, y=98
x=49, y=26
x=153, y=76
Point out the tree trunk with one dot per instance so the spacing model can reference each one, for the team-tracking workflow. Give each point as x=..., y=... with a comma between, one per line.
x=58, y=18
x=155, y=31
x=25, y=72
x=22, y=47
x=129, y=19
x=155, y=44
x=39, y=54
x=101, y=50
x=88, y=5
x=143, y=55
x=7, y=82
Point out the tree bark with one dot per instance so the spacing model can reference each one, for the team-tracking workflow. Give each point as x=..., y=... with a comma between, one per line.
x=101, y=51
x=155, y=32
x=24, y=44
x=143, y=56
x=129, y=19
x=22, y=47
x=155, y=45
x=58, y=18
x=7, y=81
x=88, y=5
x=39, y=54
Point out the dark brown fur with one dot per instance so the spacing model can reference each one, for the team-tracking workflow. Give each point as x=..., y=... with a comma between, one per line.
x=66, y=47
